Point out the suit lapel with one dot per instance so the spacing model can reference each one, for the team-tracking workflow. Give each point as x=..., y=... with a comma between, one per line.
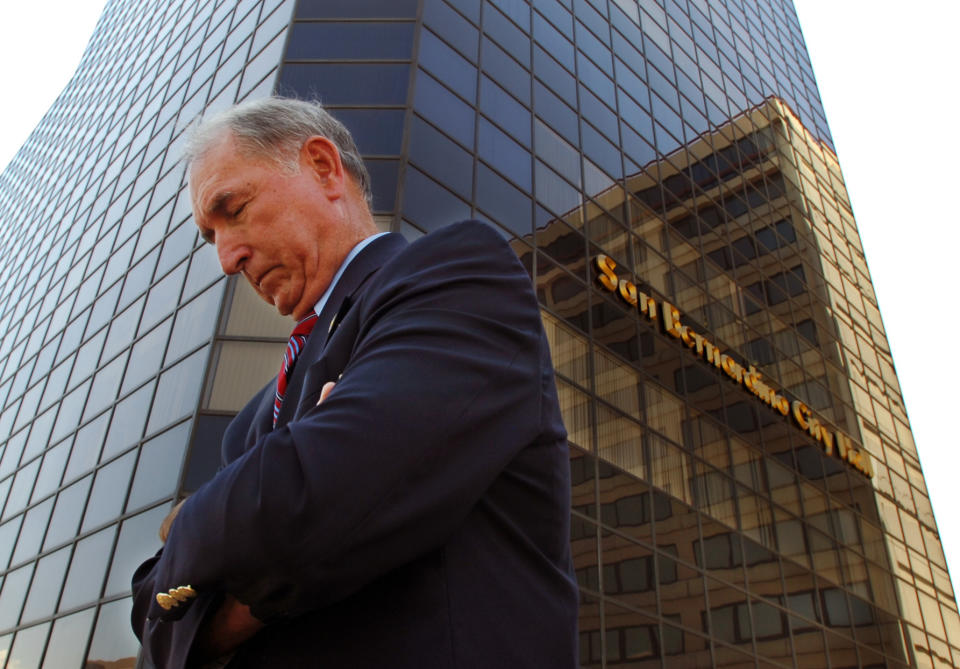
x=344, y=294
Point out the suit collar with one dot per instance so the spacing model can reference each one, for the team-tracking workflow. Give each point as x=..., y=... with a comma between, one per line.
x=361, y=268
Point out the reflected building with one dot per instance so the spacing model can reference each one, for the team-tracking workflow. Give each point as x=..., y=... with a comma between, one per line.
x=746, y=491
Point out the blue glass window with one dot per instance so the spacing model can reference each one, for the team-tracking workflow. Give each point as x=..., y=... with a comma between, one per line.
x=448, y=66
x=505, y=71
x=377, y=132
x=444, y=109
x=555, y=77
x=517, y=10
x=356, y=9
x=109, y=490
x=600, y=151
x=45, y=589
x=557, y=13
x=457, y=30
x=383, y=176
x=594, y=47
x=158, y=467
x=591, y=17
x=594, y=78
x=504, y=202
x=429, y=205
x=505, y=110
x=469, y=8
x=504, y=154
x=441, y=158
x=511, y=38
x=553, y=42
x=598, y=113
x=350, y=41
x=138, y=540
x=347, y=83
x=556, y=152
x=557, y=114
x=669, y=120
x=553, y=192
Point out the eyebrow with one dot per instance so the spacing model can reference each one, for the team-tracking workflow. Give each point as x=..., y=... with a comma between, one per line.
x=219, y=201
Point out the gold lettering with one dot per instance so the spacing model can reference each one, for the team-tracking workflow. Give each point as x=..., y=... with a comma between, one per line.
x=671, y=319
x=762, y=390
x=628, y=292
x=713, y=354
x=834, y=443
x=648, y=306
x=607, y=277
x=843, y=445
x=827, y=441
x=800, y=413
x=731, y=367
x=699, y=340
x=853, y=457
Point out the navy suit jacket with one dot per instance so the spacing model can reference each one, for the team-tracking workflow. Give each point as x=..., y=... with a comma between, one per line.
x=419, y=517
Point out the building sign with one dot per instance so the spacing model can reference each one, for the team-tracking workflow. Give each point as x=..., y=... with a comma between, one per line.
x=834, y=442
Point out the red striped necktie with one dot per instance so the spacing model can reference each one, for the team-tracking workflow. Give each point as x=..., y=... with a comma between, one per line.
x=294, y=346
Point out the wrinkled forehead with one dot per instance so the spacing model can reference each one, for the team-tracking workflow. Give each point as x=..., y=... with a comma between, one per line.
x=220, y=163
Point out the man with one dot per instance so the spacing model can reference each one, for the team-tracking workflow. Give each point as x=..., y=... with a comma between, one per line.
x=418, y=515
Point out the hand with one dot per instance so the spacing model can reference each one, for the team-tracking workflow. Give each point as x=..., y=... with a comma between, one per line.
x=168, y=521
x=225, y=630
x=325, y=391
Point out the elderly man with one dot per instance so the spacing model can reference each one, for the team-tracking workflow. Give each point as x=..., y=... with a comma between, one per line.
x=418, y=515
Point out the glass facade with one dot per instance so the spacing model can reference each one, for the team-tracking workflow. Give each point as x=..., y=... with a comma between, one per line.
x=746, y=491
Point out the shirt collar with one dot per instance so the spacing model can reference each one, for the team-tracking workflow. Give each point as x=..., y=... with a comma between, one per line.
x=321, y=303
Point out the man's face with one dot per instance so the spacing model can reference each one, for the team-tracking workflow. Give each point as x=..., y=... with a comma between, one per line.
x=287, y=233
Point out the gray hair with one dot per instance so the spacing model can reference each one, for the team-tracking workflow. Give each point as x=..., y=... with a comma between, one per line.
x=275, y=129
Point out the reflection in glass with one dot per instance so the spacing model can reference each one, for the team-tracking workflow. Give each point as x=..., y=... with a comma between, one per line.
x=31, y=534
x=158, y=466
x=67, y=512
x=28, y=647
x=113, y=640
x=138, y=540
x=47, y=579
x=12, y=594
x=109, y=491
x=68, y=639
x=87, y=568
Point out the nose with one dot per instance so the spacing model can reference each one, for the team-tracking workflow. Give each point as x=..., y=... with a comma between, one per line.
x=232, y=252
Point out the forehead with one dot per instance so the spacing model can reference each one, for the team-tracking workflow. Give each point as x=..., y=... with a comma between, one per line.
x=221, y=167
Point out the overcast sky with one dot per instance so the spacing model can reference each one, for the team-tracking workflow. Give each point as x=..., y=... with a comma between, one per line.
x=887, y=73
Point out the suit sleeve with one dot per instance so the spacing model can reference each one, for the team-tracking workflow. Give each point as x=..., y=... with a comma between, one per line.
x=166, y=645
x=441, y=393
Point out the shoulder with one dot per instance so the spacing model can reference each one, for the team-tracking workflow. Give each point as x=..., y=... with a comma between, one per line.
x=469, y=263
x=465, y=235
x=468, y=246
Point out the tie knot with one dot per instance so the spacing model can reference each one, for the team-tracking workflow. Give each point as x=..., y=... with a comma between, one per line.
x=305, y=327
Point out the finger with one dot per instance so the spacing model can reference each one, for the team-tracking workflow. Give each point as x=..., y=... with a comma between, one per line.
x=327, y=388
x=168, y=521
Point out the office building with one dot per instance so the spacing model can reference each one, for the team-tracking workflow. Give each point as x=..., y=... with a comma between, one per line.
x=746, y=490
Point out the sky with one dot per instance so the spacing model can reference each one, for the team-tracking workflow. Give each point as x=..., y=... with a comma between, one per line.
x=887, y=73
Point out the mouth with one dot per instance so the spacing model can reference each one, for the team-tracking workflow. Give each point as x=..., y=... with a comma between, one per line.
x=258, y=282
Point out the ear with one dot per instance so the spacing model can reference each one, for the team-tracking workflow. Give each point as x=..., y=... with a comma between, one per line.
x=321, y=157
